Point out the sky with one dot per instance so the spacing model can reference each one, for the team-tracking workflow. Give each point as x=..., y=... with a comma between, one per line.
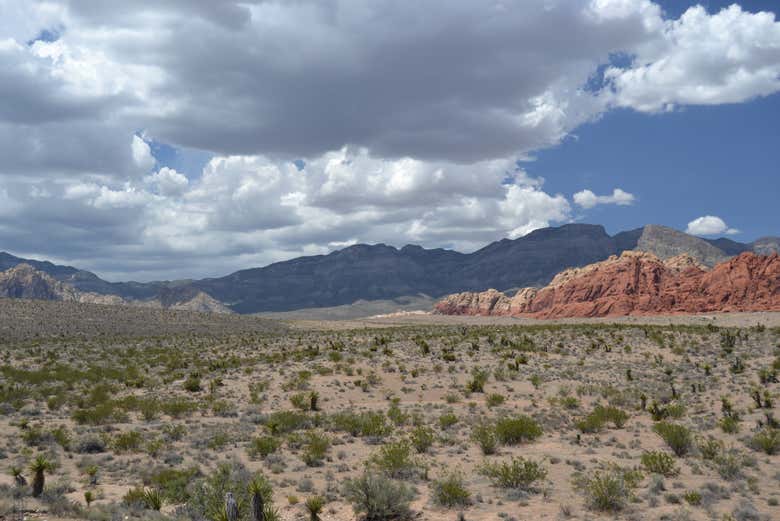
x=173, y=139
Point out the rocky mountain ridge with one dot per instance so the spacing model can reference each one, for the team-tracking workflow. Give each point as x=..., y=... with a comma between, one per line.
x=24, y=281
x=380, y=272
x=637, y=283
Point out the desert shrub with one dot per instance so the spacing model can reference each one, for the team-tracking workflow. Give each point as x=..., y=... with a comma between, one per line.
x=193, y=384
x=447, y=420
x=300, y=401
x=608, y=490
x=520, y=429
x=396, y=460
x=100, y=414
x=262, y=446
x=178, y=407
x=422, y=438
x=366, y=424
x=767, y=441
x=677, y=437
x=127, y=441
x=484, y=435
x=396, y=415
x=494, y=400
x=378, y=498
x=729, y=424
x=450, y=490
x=282, y=422
x=729, y=465
x=710, y=448
x=600, y=416
x=692, y=497
x=172, y=483
x=315, y=447
x=517, y=473
x=659, y=462
x=479, y=378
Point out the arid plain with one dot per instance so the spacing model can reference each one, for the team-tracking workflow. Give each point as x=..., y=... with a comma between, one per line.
x=150, y=414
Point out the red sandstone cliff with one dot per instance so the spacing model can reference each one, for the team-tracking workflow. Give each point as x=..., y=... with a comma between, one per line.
x=637, y=283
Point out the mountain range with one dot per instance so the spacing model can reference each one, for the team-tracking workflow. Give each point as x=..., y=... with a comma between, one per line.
x=375, y=272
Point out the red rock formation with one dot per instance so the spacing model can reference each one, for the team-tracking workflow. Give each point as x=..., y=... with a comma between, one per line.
x=637, y=283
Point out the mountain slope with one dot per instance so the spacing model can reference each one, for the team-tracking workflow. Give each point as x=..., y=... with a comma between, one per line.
x=383, y=273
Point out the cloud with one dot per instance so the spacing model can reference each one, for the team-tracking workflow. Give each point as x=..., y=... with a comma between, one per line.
x=142, y=154
x=702, y=59
x=587, y=199
x=709, y=225
x=408, y=119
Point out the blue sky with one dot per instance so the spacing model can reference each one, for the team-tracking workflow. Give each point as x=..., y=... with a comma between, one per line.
x=134, y=150
x=694, y=161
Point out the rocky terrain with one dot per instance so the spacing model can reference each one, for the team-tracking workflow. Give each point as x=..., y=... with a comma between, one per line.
x=637, y=283
x=378, y=273
x=25, y=282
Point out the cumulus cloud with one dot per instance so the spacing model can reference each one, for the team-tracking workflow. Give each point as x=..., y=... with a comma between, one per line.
x=327, y=121
x=702, y=59
x=709, y=225
x=587, y=199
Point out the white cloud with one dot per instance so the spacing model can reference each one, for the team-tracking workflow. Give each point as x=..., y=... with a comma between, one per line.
x=587, y=199
x=702, y=59
x=168, y=182
x=709, y=225
x=142, y=154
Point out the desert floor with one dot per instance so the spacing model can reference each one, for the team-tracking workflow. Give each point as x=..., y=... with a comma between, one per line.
x=634, y=418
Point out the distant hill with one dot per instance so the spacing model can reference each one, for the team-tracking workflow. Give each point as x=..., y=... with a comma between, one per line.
x=383, y=273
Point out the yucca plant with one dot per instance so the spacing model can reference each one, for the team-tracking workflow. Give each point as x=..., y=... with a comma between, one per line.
x=314, y=506
x=39, y=467
x=16, y=473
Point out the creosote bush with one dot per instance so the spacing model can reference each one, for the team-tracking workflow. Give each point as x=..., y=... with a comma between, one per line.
x=378, y=498
x=659, y=462
x=608, y=490
x=677, y=437
x=450, y=490
x=520, y=429
x=517, y=473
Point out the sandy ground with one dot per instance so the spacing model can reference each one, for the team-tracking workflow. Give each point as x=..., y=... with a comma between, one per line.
x=554, y=372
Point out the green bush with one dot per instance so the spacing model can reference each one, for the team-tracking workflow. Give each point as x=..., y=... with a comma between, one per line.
x=366, y=424
x=677, y=437
x=600, y=416
x=450, y=490
x=494, y=400
x=447, y=420
x=659, y=462
x=520, y=429
x=484, y=434
x=396, y=460
x=608, y=490
x=692, y=497
x=262, y=446
x=282, y=422
x=422, y=438
x=767, y=440
x=518, y=473
x=378, y=498
x=127, y=441
x=315, y=447
x=479, y=378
